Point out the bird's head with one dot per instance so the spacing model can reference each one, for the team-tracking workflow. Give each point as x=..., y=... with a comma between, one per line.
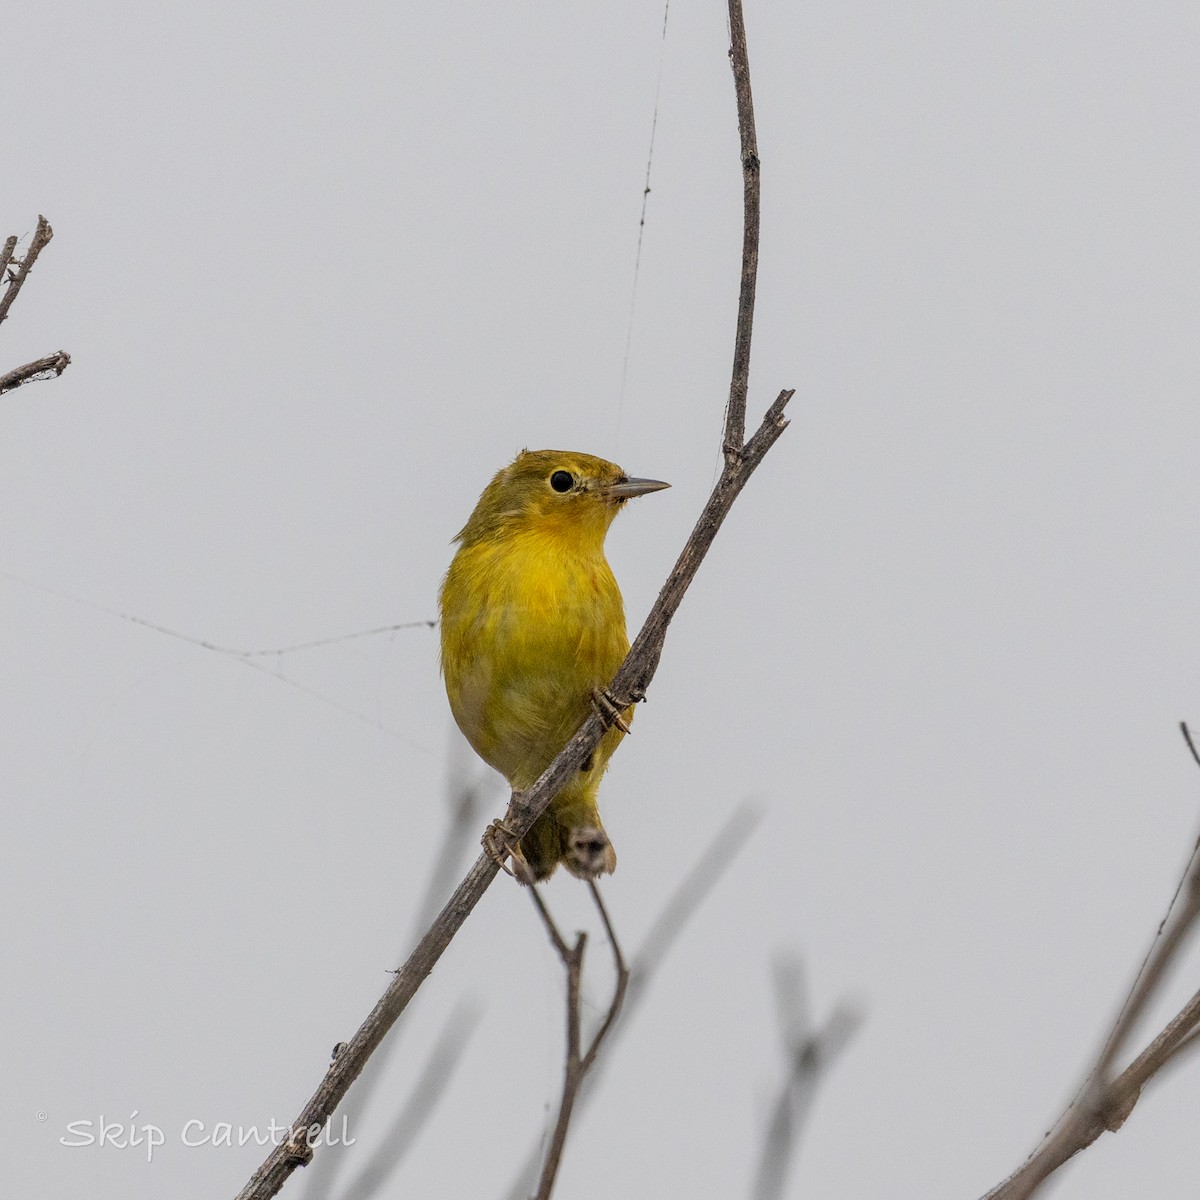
x=556, y=492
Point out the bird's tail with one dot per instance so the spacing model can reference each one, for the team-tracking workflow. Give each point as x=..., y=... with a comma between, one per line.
x=572, y=836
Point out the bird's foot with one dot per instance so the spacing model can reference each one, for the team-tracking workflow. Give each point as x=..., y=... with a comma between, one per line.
x=609, y=709
x=588, y=853
x=500, y=844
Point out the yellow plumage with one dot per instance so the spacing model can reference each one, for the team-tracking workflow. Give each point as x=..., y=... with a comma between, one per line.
x=532, y=627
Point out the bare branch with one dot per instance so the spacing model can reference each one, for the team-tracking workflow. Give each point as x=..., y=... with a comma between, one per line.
x=20, y=272
x=1185, y=1045
x=556, y=939
x=1179, y=1033
x=13, y=273
x=1187, y=737
x=685, y=900
x=578, y=1061
x=630, y=684
x=41, y=368
x=725, y=846
x=6, y=254
x=1080, y=1127
x=739, y=384
x=810, y=1053
x=1104, y=1103
x=467, y=800
x=622, y=973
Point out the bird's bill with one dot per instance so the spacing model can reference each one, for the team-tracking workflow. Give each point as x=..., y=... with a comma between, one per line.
x=626, y=489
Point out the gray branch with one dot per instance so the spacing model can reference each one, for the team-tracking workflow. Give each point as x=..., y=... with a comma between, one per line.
x=1105, y=1101
x=13, y=273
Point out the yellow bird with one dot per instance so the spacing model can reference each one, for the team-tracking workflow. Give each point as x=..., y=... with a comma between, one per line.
x=533, y=631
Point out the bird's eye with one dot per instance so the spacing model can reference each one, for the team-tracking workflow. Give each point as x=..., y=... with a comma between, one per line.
x=562, y=481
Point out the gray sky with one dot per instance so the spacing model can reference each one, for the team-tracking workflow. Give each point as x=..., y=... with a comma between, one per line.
x=322, y=269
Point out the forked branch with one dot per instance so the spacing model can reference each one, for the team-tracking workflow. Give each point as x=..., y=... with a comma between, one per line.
x=578, y=1060
x=13, y=273
x=696, y=885
x=1105, y=1101
x=742, y=457
x=810, y=1053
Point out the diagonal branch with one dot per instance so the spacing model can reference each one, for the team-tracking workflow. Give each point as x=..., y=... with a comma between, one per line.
x=632, y=679
x=1104, y=1102
x=630, y=684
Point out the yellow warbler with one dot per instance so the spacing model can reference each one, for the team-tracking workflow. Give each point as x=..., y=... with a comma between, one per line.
x=533, y=631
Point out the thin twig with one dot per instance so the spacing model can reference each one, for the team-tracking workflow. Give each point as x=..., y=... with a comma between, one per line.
x=622, y=972
x=630, y=683
x=1080, y=1127
x=6, y=254
x=19, y=273
x=722, y=850
x=1104, y=1103
x=1166, y=949
x=739, y=384
x=1184, y=1046
x=809, y=1053
x=556, y=939
x=1187, y=737
x=706, y=872
x=578, y=1061
x=41, y=368
x=1174, y=1037
x=558, y=1137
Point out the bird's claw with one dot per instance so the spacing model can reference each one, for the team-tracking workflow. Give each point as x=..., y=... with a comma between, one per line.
x=610, y=711
x=500, y=844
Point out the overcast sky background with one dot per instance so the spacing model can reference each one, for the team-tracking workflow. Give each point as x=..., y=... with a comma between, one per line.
x=322, y=269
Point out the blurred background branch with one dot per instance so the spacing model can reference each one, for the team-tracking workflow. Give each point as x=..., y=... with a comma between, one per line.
x=809, y=1053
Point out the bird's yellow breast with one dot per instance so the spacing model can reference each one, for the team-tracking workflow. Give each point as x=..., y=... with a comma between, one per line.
x=532, y=622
